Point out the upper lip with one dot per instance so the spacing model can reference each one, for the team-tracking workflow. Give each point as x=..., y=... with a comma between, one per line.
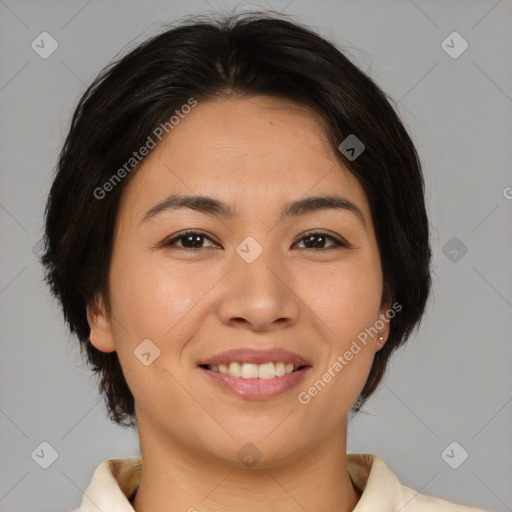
x=256, y=356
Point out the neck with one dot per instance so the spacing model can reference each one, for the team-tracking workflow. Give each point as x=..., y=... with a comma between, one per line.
x=175, y=478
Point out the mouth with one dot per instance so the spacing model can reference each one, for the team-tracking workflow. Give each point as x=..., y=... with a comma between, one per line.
x=255, y=374
x=266, y=371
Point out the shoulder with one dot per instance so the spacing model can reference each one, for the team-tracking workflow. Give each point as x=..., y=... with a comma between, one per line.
x=381, y=489
x=113, y=483
x=417, y=502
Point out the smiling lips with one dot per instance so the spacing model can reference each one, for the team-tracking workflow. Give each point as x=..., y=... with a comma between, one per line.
x=256, y=374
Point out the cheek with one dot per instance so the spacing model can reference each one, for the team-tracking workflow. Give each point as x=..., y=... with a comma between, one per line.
x=149, y=302
x=347, y=300
x=150, y=296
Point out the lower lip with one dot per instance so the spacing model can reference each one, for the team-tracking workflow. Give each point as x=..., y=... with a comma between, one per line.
x=256, y=389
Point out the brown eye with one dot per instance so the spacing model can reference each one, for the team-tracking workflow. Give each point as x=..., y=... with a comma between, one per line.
x=189, y=240
x=318, y=240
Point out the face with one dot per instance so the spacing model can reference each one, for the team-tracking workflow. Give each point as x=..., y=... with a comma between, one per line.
x=260, y=284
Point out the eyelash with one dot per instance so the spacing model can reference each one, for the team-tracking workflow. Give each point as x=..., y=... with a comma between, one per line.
x=338, y=242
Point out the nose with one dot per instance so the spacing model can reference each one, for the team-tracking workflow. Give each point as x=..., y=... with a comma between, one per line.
x=259, y=296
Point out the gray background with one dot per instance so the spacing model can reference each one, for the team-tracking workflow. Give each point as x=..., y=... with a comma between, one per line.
x=453, y=380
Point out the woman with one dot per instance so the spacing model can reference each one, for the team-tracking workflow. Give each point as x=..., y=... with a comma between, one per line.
x=238, y=237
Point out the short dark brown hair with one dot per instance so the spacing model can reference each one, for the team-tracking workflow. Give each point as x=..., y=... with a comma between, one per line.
x=204, y=58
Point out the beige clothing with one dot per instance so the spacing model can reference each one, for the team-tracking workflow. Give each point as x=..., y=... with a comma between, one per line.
x=115, y=482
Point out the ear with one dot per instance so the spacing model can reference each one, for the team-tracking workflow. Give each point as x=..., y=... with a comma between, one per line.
x=101, y=330
x=384, y=318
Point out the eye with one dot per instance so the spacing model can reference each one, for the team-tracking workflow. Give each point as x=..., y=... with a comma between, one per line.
x=190, y=240
x=317, y=240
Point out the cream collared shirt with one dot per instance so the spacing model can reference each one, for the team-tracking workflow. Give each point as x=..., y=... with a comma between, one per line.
x=115, y=482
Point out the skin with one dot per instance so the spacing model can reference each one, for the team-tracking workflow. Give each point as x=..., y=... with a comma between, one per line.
x=256, y=154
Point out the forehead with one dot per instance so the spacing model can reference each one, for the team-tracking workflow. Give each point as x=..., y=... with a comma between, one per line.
x=251, y=151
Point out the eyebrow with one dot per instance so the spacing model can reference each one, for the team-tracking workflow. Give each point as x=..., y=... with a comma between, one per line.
x=215, y=207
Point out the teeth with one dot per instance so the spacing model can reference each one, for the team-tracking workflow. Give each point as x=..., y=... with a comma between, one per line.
x=249, y=371
x=266, y=371
x=254, y=371
x=235, y=370
x=280, y=369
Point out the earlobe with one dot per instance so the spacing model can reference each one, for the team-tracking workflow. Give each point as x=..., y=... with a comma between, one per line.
x=101, y=331
x=383, y=326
